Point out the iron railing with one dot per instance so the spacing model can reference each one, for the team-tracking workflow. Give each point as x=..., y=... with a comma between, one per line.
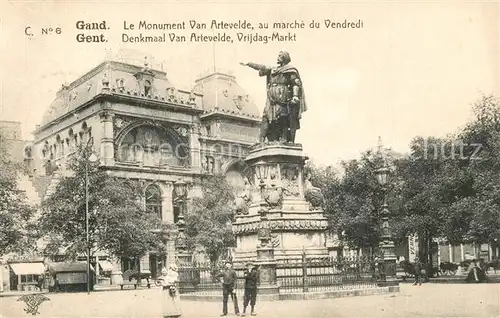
x=305, y=274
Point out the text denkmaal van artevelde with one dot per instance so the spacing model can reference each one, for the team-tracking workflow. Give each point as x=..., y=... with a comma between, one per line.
x=239, y=31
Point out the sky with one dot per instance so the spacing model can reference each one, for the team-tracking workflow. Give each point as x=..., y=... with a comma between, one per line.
x=413, y=69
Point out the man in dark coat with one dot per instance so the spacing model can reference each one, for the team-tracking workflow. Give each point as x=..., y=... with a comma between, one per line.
x=229, y=279
x=285, y=99
x=251, y=282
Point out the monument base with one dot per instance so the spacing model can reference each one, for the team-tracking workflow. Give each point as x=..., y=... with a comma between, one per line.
x=295, y=224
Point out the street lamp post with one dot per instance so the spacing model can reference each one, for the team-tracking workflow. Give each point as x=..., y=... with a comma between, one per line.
x=386, y=244
x=180, y=188
x=88, y=158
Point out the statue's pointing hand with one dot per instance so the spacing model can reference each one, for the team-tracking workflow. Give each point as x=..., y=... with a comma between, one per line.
x=244, y=63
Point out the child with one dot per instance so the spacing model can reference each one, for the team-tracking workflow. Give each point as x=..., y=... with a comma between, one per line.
x=251, y=282
x=169, y=290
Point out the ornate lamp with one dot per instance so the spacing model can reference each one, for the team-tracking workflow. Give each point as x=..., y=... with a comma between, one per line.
x=261, y=170
x=386, y=244
x=180, y=188
x=382, y=174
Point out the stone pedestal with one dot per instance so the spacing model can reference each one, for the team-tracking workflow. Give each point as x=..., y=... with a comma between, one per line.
x=267, y=271
x=296, y=224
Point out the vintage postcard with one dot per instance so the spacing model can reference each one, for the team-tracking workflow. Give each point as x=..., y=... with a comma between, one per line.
x=249, y=158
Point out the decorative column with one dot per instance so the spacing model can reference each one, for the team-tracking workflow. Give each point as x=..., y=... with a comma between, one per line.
x=180, y=188
x=167, y=211
x=107, y=142
x=386, y=244
x=194, y=146
x=167, y=208
x=183, y=255
x=265, y=249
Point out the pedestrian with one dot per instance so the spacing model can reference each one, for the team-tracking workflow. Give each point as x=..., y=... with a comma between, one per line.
x=251, y=282
x=418, y=272
x=170, y=295
x=229, y=279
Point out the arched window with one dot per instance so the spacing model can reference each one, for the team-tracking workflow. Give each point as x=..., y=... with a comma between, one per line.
x=153, y=200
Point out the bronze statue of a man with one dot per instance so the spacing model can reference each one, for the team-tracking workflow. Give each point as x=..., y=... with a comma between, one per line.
x=285, y=100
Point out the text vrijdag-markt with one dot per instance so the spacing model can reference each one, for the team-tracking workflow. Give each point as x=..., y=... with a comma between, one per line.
x=219, y=37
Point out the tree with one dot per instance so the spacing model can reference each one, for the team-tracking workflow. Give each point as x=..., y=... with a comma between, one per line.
x=118, y=222
x=16, y=214
x=352, y=203
x=428, y=183
x=208, y=222
x=480, y=210
x=450, y=185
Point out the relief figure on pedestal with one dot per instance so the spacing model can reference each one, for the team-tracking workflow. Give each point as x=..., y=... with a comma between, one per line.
x=289, y=179
x=285, y=100
x=274, y=194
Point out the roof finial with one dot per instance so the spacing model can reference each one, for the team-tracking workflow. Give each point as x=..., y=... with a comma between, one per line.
x=146, y=62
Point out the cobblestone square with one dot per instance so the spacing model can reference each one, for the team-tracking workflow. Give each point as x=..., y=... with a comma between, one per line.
x=429, y=300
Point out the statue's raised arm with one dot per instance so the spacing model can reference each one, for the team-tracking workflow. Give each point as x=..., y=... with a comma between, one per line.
x=263, y=69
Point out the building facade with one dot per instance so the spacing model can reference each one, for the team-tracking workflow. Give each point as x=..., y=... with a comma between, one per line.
x=144, y=128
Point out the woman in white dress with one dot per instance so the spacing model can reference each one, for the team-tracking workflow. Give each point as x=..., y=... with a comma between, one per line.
x=170, y=294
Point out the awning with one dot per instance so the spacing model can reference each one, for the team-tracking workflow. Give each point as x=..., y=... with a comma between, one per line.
x=106, y=266
x=28, y=268
x=69, y=267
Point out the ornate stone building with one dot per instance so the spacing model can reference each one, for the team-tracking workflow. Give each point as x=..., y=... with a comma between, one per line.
x=142, y=127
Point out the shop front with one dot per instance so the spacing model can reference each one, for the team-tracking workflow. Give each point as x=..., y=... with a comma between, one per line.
x=25, y=276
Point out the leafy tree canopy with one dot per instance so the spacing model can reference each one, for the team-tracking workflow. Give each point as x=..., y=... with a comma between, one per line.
x=208, y=221
x=16, y=228
x=118, y=222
